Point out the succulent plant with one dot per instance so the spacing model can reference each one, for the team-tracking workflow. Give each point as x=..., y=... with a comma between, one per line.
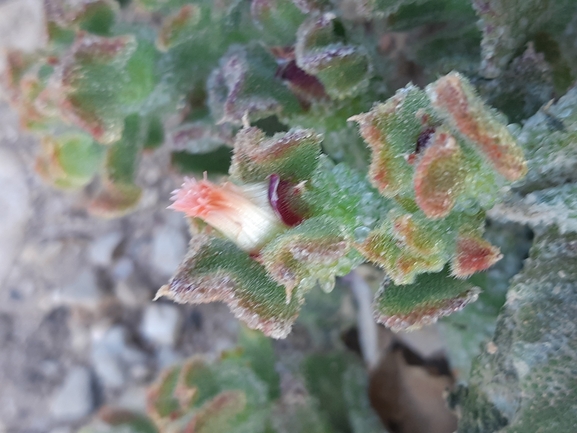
x=439, y=160
x=242, y=392
x=333, y=156
x=289, y=216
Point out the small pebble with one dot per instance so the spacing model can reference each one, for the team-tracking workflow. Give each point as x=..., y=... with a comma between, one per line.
x=74, y=400
x=161, y=324
x=102, y=248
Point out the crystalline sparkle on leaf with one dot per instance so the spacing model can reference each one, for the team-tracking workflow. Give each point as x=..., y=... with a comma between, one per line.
x=415, y=236
x=381, y=170
x=401, y=264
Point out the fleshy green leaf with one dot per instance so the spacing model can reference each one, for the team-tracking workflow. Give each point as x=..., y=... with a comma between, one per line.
x=258, y=353
x=316, y=250
x=430, y=297
x=218, y=415
x=392, y=130
x=70, y=160
x=354, y=204
x=278, y=20
x=458, y=104
x=245, y=84
x=161, y=401
x=293, y=156
x=93, y=16
x=321, y=50
x=439, y=176
x=90, y=80
x=216, y=270
x=119, y=193
x=126, y=420
x=179, y=27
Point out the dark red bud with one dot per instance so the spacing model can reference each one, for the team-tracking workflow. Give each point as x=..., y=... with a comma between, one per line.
x=279, y=194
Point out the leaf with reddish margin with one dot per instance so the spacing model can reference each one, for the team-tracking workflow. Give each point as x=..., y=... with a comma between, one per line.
x=115, y=200
x=119, y=194
x=457, y=102
x=439, y=176
x=417, y=235
x=162, y=405
x=401, y=264
x=88, y=83
x=393, y=130
x=246, y=85
x=135, y=422
x=95, y=16
x=431, y=296
x=473, y=254
x=23, y=86
x=342, y=68
x=314, y=250
x=179, y=27
x=293, y=155
x=196, y=384
x=217, y=415
x=217, y=270
x=69, y=160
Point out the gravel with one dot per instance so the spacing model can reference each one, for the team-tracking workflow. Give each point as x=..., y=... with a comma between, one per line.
x=74, y=400
x=161, y=324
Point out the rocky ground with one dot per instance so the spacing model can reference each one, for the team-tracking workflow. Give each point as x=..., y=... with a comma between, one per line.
x=77, y=325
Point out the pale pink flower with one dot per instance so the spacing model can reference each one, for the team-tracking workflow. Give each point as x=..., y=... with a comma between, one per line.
x=241, y=213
